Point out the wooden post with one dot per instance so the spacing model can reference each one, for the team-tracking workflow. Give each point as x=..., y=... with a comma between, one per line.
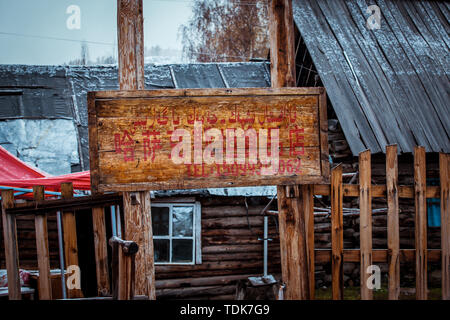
x=420, y=222
x=307, y=193
x=393, y=222
x=297, y=268
x=137, y=217
x=293, y=244
x=365, y=221
x=444, y=167
x=130, y=32
x=40, y=222
x=282, y=42
x=11, y=251
x=70, y=237
x=138, y=228
x=337, y=234
x=101, y=251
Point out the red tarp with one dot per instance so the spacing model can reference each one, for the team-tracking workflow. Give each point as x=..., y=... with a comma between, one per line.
x=12, y=168
x=15, y=173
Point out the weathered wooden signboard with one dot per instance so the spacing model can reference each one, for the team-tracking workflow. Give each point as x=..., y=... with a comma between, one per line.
x=207, y=138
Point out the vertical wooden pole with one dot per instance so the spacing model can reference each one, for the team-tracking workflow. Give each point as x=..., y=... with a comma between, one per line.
x=282, y=42
x=70, y=237
x=293, y=243
x=282, y=56
x=101, y=251
x=307, y=193
x=40, y=222
x=138, y=228
x=444, y=167
x=365, y=221
x=393, y=222
x=11, y=251
x=130, y=32
x=420, y=222
x=137, y=217
x=337, y=234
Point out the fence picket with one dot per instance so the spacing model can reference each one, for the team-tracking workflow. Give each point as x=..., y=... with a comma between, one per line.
x=365, y=221
x=444, y=167
x=420, y=223
x=40, y=221
x=337, y=234
x=393, y=222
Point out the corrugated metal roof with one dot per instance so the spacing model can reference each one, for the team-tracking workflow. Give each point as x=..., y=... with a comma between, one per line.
x=387, y=85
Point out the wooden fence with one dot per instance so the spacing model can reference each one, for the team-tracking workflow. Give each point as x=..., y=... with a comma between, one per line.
x=393, y=255
x=67, y=206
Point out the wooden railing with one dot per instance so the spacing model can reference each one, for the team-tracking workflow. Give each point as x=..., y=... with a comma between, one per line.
x=393, y=255
x=66, y=207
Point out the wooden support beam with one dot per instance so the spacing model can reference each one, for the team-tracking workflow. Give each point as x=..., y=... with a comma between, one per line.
x=296, y=220
x=293, y=244
x=11, y=251
x=70, y=237
x=130, y=32
x=393, y=222
x=420, y=223
x=101, y=251
x=365, y=221
x=282, y=42
x=40, y=222
x=138, y=228
x=337, y=234
x=308, y=207
x=444, y=168
x=137, y=216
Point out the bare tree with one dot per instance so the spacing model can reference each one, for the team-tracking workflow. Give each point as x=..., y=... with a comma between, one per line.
x=226, y=30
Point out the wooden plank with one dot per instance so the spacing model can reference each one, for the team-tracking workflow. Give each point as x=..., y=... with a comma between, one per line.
x=79, y=203
x=282, y=42
x=365, y=224
x=393, y=221
x=337, y=234
x=101, y=251
x=70, y=237
x=11, y=251
x=444, y=168
x=420, y=223
x=308, y=207
x=45, y=284
x=138, y=228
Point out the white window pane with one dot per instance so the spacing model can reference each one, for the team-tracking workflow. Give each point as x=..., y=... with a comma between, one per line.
x=181, y=250
x=160, y=221
x=182, y=220
x=161, y=247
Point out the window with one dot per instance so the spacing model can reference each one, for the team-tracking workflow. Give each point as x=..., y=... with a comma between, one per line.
x=176, y=233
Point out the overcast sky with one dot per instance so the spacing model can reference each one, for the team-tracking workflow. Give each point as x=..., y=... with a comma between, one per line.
x=22, y=22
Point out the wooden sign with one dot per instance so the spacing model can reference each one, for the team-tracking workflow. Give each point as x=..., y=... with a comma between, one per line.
x=207, y=138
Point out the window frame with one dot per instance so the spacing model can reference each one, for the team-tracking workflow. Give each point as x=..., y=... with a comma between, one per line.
x=196, y=232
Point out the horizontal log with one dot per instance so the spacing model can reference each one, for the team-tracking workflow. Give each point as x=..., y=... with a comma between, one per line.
x=231, y=211
x=198, y=282
x=194, y=291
